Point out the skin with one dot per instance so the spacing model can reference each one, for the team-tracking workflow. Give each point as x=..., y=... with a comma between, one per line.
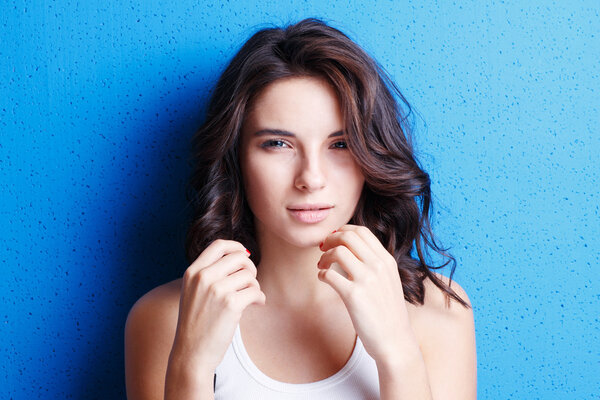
x=298, y=314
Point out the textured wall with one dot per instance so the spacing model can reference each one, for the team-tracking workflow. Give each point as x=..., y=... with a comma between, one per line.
x=98, y=102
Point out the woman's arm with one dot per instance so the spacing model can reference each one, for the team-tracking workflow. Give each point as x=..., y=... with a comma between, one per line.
x=149, y=334
x=446, y=335
x=421, y=352
x=175, y=339
x=151, y=370
x=442, y=365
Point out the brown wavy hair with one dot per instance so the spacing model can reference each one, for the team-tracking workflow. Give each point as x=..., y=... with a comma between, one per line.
x=396, y=200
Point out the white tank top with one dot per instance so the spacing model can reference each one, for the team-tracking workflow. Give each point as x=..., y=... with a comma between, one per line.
x=238, y=378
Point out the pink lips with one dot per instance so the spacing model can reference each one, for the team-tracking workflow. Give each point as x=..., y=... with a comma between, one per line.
x=310, y=213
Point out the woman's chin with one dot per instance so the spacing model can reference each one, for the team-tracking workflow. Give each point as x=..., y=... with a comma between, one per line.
x=307, y=242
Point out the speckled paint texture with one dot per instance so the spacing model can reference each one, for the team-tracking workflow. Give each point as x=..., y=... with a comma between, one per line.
x=98, y=101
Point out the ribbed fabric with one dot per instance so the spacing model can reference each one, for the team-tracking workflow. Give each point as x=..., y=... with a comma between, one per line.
x=238, y=378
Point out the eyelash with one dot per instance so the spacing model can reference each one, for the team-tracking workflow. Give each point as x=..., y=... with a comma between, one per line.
x=274, y=143
x=342, y=142
x=278, y=143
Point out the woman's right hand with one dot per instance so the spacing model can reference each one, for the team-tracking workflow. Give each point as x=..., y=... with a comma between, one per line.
x=217, y=287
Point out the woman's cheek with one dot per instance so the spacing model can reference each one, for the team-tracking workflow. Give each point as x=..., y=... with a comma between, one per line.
x=346, y=170
x=262, y=180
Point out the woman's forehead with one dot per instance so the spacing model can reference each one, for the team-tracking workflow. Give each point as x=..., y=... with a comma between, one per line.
x=294, y=104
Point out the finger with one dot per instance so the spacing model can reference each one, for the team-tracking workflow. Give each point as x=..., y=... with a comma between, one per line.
x=228, y=265
x=343, y=257
x=215, y=251
x=334, y=279
x=352, y=241
x=237, y=281
x=250, y=295
x=366, y=235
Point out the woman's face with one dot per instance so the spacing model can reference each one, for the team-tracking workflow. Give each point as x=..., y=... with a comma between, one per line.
x=301, y=180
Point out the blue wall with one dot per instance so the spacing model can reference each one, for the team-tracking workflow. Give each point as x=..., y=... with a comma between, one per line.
x=98, y=103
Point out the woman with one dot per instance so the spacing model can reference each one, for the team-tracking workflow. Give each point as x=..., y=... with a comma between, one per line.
x=309, y=203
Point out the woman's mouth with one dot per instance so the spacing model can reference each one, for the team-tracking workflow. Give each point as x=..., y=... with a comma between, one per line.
x=310, y=213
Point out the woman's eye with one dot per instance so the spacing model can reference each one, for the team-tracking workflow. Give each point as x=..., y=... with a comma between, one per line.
x=340, y=145
x=274, y=143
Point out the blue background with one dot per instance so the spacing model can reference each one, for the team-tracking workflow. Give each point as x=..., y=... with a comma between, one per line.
x=98, y=101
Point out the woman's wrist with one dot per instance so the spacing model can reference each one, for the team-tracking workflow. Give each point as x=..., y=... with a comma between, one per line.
x=187, y=376
x=400, y=358
x=183, y=381
x=403, y=375
x=184, y=359
x=400, y=351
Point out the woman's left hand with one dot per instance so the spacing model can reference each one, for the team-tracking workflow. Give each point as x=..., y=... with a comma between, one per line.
x=372, y=290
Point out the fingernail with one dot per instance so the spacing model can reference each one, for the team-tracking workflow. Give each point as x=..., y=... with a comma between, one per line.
x=334, y=231
x=248, y=251
x=321, y=245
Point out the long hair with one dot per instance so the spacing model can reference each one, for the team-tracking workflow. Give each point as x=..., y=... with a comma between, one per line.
x=396, y=200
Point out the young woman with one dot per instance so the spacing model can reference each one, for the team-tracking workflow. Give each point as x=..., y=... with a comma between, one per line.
x=309, y=208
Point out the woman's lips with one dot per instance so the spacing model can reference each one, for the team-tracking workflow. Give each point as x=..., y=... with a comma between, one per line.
x=310, y=213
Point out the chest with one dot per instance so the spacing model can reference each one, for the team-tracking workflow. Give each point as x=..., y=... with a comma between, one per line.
x=298, y=347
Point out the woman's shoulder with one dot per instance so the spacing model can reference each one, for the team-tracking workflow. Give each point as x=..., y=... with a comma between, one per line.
x=149, y=334
x=438, y=309
x=152, y=320
x=437, y=301
x=157, y=307
x=445, y=331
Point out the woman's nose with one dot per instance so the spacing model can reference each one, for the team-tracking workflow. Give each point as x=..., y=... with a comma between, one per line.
x=310, y=176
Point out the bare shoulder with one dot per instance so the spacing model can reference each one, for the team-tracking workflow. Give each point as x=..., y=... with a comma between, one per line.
x=437, y=317
x=446, y=334
x=436, y=304
x=149, y=334
x=157, y=305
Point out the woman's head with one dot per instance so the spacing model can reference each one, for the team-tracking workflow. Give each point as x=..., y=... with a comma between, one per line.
x=301, y=181
x=395, y=200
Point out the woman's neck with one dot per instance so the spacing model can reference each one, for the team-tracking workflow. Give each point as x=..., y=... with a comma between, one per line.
x=288, y=275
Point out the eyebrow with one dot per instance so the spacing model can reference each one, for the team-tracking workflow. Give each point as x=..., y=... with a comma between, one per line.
x=281, y=132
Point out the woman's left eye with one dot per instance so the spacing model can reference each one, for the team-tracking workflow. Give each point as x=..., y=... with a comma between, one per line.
x=340, y=144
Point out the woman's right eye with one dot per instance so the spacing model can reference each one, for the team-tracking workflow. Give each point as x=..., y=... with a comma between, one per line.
x=274, y=143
